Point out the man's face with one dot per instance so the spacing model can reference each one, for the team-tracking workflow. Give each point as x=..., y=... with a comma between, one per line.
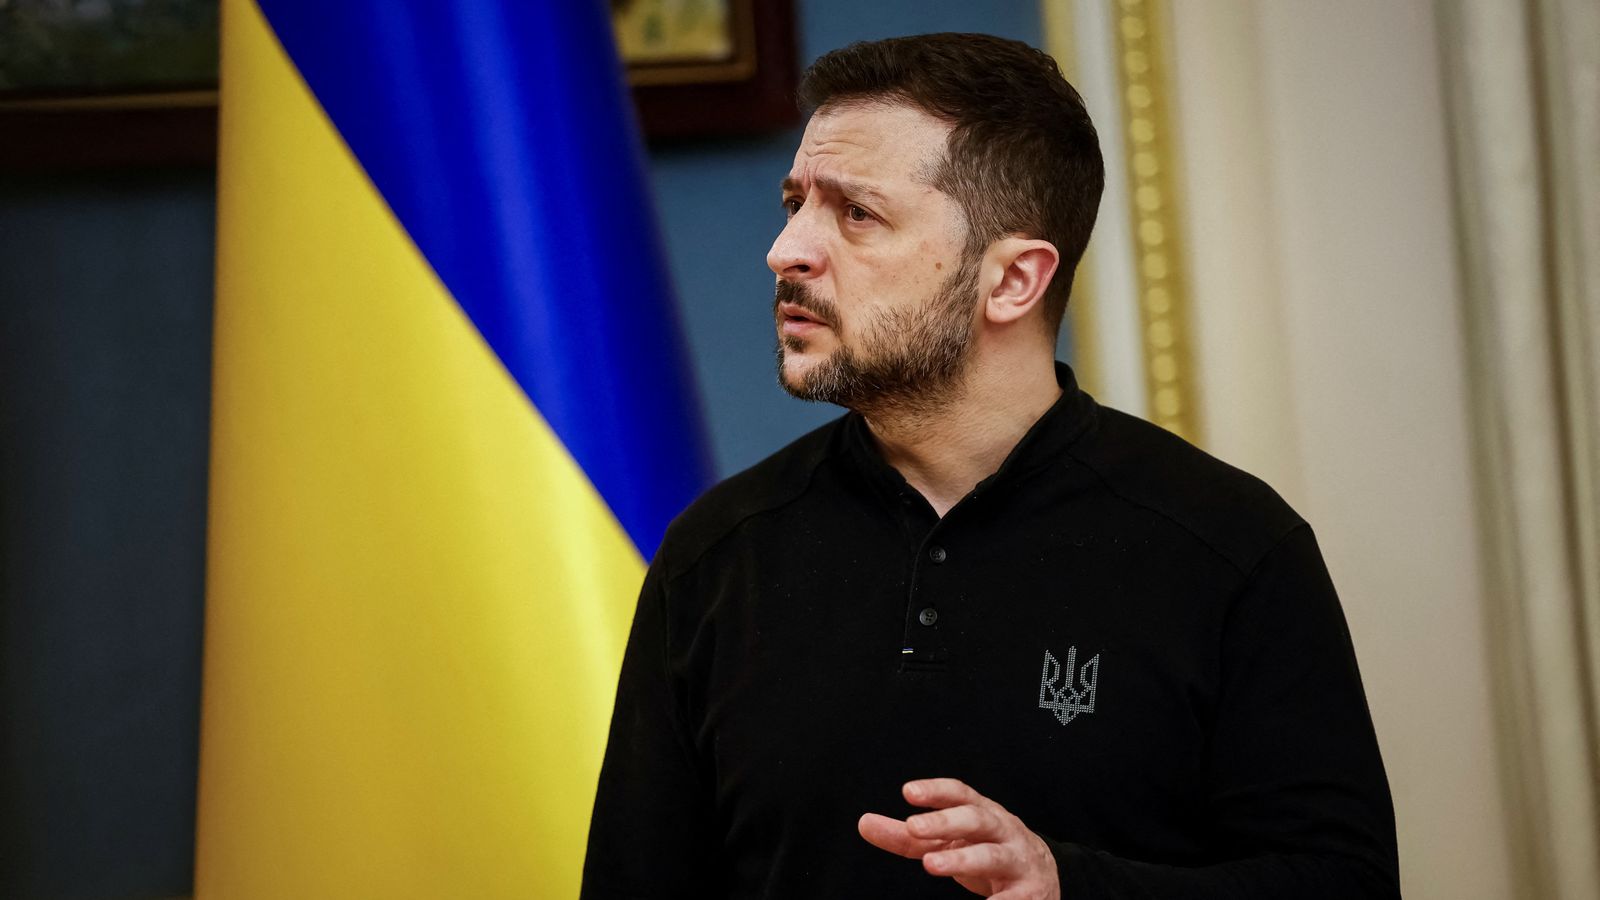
x=876, y=300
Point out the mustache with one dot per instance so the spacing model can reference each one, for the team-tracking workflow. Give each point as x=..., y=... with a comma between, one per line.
x=802, y=296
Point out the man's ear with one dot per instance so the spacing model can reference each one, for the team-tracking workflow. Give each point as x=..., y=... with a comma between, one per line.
x=1026, y=267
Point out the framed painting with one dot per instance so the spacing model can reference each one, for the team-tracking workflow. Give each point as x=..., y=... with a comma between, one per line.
x=109, y=82
x=709, y=67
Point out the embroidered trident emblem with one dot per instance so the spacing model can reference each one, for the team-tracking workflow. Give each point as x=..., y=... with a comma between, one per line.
x=1059, y=693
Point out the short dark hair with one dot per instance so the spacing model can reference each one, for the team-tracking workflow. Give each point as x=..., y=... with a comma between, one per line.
x=1022, y=156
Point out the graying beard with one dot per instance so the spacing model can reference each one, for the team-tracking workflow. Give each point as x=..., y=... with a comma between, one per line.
x=917, y=378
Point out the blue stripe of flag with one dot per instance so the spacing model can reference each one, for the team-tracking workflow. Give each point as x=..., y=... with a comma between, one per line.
x=500, y=134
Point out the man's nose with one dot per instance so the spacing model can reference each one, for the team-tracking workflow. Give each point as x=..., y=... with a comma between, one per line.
x=797, y=253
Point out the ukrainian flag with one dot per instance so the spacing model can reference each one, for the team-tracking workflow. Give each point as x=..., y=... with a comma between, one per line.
x=451, y=422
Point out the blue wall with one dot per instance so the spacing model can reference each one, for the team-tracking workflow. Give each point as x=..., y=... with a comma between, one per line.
x=718, y=203
x=105, y=393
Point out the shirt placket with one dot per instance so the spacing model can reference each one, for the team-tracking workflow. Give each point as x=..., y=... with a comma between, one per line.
x=923, y=646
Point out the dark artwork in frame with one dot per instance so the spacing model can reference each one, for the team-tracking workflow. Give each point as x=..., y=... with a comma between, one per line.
x=709, y=67
x=93, y=84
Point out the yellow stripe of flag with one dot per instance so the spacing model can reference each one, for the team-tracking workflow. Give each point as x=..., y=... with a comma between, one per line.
x=389, y=710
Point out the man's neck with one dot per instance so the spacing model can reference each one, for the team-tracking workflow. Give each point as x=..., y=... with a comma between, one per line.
x=945, y=454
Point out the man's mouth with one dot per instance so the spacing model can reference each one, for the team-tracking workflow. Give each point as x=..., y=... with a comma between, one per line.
x=792, y=314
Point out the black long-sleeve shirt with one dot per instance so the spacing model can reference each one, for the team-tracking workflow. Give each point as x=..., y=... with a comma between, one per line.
x=1128, y=644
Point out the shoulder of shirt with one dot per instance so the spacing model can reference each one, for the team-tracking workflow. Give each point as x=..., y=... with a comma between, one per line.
x=1237, y=515
x=770, y=484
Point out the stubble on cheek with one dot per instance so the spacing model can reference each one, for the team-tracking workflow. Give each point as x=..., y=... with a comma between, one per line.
x=908, y=360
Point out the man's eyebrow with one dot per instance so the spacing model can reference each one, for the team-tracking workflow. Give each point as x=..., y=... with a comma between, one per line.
x=855, y=189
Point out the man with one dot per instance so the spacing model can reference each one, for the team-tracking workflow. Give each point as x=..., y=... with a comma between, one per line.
x=980, y=635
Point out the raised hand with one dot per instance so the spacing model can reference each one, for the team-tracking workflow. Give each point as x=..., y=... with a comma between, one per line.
x=970, y=838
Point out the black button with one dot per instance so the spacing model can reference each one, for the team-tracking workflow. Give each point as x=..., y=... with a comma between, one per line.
x=928, y=616
x=937, y=554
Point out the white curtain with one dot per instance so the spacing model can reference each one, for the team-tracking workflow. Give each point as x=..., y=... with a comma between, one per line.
x=1523, y=78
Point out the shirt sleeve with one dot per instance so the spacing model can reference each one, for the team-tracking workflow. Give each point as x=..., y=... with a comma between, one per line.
x=1296, y=794
x=650, y=834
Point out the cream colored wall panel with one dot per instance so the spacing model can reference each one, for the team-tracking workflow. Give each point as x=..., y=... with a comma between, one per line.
x=1330, y=359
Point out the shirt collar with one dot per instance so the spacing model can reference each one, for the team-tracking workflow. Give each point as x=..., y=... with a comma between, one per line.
x=1043, y=443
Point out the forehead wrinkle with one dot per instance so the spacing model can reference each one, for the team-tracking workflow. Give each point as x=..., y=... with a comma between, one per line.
x=844, y=187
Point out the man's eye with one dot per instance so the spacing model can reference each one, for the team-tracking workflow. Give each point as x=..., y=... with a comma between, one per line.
x=791, y=206
x=856, y=213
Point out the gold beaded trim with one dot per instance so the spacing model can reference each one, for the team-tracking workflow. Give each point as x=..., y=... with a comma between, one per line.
x=1159, y=272
x=1061, y=42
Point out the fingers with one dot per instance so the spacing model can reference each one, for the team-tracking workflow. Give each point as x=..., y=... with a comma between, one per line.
x=939, y=793
x=993, y=862
x=974, y=824
x=967, y=837
x=891, y=835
